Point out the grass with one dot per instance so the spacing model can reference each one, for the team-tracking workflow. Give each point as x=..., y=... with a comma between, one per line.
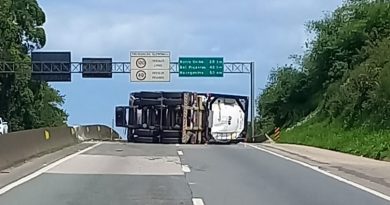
x=361, y=142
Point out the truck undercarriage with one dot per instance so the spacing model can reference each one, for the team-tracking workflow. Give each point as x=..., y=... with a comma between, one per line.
x=184, y=117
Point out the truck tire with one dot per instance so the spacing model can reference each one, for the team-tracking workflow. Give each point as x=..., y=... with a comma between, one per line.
x=145, y=132
x=147, y=102
x=172, y=94
x=134, y=126
x=151, y=95
x=171, y=134
x=173, y=102
x=171, y=128
x=146, y=139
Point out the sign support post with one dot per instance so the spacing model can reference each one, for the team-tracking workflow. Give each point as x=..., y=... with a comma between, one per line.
x=253, y=124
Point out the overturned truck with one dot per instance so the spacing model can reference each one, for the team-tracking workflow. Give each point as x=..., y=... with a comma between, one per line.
x=184, y=117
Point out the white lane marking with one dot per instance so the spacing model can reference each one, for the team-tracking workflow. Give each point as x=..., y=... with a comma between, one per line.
x=180, y=153
x=197, y=201
x=371, y=191
x=177, y=145
x=43, y=170
x=185, y=168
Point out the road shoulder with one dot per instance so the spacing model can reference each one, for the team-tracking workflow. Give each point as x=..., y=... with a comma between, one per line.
x=370, y=173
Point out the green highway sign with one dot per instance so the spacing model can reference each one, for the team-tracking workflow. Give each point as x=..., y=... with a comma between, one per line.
x=200, y=67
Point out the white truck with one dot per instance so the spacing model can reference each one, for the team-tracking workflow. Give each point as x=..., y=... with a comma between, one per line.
x=3, y=127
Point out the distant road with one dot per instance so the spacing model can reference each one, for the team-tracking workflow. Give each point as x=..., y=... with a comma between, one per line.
x=115, y=173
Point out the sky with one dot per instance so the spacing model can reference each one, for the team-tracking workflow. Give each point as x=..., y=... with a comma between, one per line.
x=265, y=32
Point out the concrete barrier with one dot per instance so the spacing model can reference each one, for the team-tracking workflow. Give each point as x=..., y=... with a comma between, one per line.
x=95, y=132
x=17, y=147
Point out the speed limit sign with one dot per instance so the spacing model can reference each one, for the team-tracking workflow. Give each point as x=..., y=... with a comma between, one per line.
x=140, y=75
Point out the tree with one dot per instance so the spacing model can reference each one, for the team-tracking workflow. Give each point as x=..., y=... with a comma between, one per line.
x=284, y=101
x=25, y=103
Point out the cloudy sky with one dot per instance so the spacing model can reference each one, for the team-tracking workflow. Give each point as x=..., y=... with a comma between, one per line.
x=263, y=31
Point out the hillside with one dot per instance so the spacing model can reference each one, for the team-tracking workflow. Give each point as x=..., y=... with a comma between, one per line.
x=342, y=81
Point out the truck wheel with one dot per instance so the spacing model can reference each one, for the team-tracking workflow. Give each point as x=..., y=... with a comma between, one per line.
x=153, y=95
x=172, y=102
x=147, y=102
x=172, y=94
x=146, y=139
x=146, y=132
x=171, y=134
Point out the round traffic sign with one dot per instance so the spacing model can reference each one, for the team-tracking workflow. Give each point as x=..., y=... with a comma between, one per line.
x=140, y=62
x=140, y=75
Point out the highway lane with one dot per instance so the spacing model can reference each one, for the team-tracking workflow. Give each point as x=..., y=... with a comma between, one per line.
x=109, y=174
x=231, y=175
x=114, y=173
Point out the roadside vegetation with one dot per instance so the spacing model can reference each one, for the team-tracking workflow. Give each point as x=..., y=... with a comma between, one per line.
x=336, y=95
x=25, y=104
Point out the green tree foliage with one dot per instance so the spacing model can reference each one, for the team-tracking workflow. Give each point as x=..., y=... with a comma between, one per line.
x=283, y=101
x=363, y=96
x=344, y=72
x=24, y=103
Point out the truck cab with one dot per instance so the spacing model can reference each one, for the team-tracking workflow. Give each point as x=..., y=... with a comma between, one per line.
x=228, y=120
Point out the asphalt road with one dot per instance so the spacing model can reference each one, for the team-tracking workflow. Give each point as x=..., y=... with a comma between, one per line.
x=153, y=174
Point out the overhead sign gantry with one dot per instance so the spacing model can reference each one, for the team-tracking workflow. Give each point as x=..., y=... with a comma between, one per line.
x=144, y=66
